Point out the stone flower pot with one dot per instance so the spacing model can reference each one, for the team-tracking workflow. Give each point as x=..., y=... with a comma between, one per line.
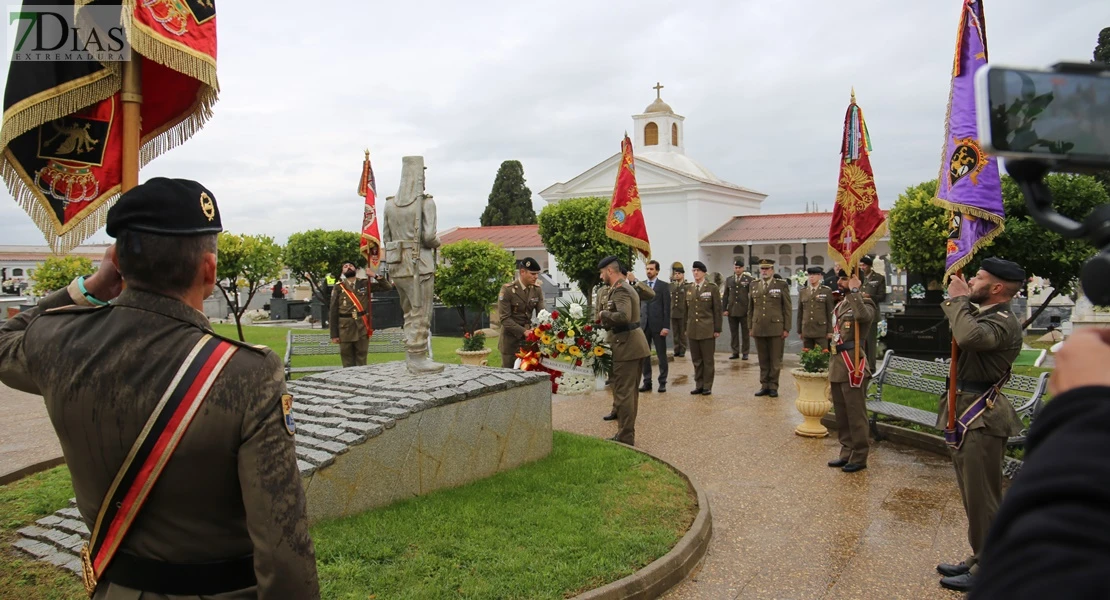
x=476, y=358
x=813, y=401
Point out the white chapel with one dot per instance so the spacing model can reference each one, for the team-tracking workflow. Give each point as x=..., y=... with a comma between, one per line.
x=682, y=201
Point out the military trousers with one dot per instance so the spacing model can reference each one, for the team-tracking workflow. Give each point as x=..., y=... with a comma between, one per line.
x=770, y=350
x=353, y=354
x=872, y=343
x=851, y=420
x=416, y=296
x=678, y=335
x=978, y=465
x=741, y=339
x=626, y=395
x=815, y=342
x=701, y=354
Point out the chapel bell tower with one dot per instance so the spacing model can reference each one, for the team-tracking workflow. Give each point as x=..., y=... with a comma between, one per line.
x=659, y=129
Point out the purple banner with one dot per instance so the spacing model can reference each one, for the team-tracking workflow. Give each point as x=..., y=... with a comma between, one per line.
x=969, y=183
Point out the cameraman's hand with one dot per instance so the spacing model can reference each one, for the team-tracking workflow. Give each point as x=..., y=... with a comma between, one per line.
x=1082, y=361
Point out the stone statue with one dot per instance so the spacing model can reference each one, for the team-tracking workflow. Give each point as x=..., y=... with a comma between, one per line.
x=410, y=243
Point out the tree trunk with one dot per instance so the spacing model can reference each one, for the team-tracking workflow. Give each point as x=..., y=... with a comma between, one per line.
x=234, y=309
x=1040, y=309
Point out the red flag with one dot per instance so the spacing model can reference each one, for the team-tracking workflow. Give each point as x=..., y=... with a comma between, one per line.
x=62, y=124
x=857, y=221
x=370, y=244
x=626, y=219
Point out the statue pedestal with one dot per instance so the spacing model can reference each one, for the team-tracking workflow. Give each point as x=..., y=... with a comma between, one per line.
x=370, y=436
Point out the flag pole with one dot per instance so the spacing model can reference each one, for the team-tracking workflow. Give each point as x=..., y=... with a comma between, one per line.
x=952, y=377
x=132, y=97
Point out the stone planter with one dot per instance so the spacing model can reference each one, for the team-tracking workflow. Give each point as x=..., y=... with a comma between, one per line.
x=813, y=401
x=476, y=358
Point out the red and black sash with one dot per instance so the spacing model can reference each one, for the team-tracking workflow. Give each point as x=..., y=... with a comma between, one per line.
x=150, y=453
x=855, y=372
x=364, y=313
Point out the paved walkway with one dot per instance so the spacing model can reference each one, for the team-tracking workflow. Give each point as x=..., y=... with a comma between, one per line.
x=26, y=435
x=786, y=526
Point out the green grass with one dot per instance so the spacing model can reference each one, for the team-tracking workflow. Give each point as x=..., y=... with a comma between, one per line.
x=443, y=347
x=21, y=504
x=589, y=514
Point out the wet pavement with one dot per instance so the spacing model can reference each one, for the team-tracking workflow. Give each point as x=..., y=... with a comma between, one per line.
x=785, y=525
x=26, y=435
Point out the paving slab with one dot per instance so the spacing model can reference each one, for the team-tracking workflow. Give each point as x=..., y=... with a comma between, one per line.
x=26, y=436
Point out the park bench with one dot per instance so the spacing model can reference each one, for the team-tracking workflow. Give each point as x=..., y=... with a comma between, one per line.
x=316, y=344
x=1024, y=392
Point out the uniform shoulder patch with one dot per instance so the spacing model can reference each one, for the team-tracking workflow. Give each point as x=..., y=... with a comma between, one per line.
x=258, y=348
x=70, y=309
x=287, y=413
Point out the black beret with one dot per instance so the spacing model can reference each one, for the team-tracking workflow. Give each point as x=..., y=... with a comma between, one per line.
x=677, y=268
x=608, y=260
x=867, y=260
x=529, y=263
x=738, y=262
x=815, y=271
x=1006, y=270
x=842, y=274
x=164, y=206
x=699, y=266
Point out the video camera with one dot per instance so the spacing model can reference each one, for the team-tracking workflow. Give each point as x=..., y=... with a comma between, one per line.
x=1052, y=120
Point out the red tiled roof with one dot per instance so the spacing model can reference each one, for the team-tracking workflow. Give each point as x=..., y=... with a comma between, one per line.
x=767, y=228
x=516, y=237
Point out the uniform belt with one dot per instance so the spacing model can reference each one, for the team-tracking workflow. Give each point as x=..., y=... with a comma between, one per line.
x=361, y=313
x=624, y=328
x=845, y=346
x=202, y=579
x=973, y=387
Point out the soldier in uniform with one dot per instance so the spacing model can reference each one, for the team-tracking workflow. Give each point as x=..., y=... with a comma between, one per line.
x=989, y=339
x=874, y=285
x=815, y=306
x=679, y=285
x=517, y=303
x=769, y=323
x=853, y=315
x=621, y=316
x=348, y=321
x=736, y=308
x=703, y=326
x=225, y=517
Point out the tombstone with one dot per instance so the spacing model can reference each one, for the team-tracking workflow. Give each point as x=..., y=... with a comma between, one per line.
x=922, y=330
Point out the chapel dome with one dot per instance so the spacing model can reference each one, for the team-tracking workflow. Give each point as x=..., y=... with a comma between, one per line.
x=658, y=106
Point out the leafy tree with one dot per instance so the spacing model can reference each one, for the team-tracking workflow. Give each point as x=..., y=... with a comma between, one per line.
x=1040, y=251
x=471, y=276
x=313, y=255
x=245, y=264
x=57, y=271
x=510, y=201
x=918, y=232
x=573, y=230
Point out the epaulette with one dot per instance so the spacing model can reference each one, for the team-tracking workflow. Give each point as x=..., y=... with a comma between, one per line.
x=70, y=309
x=259, y=348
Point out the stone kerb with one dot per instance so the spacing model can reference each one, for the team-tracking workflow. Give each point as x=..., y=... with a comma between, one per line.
x=369, y=436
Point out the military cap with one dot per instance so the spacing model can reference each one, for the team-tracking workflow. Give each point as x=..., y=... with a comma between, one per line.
x=177, y=207
x=815, y=271
x=529, y=263
x=867, y=260
x=842, y=274
x=678, y=268
x=738, y=262
x=608, y=260
x=768, y=263
x=699, y=266
x=1006, y=270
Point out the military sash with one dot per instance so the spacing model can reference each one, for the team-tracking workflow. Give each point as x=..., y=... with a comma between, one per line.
x=365, y=314
x=150, y=453
x=855, y=372
x=955, y=437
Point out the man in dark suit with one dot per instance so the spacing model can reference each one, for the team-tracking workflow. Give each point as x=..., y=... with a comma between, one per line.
x=655, y=320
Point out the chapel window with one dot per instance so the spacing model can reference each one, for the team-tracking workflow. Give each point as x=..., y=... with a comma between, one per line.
x=674, y=134
x=651, y=134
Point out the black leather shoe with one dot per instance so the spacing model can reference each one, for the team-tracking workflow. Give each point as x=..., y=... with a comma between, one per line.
x=840, y=462
x=680, y=355
x=645, y=388
x=706, y=392
x=949, y=570
x=853, y=467
x=745, y=357
x=695, y=391
x=662, y=387
x=773, y=393
x=610, y=417
x=961, y=583
x=734, y=357
x=763, y=392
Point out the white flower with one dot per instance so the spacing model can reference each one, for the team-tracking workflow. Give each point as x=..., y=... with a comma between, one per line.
x=575, y=310
x=543, y=316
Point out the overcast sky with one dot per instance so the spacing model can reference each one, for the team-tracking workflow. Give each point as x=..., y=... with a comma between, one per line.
x=763, y=86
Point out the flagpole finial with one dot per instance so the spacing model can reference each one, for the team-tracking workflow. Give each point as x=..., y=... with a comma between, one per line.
x=368, y=154
x=853, y=94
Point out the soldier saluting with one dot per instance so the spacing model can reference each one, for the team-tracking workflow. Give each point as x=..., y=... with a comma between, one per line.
x=220, y=513
x=518, y=301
